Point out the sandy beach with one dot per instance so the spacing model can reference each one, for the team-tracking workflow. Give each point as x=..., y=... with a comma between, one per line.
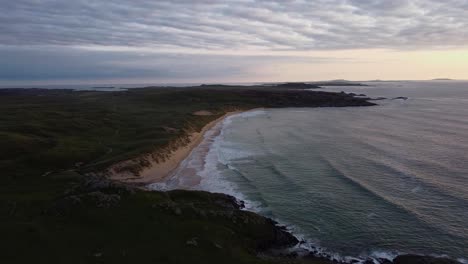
x=158, y=172
x=186, y=174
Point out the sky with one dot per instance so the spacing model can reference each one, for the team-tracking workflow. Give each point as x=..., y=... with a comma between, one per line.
x=208, y=41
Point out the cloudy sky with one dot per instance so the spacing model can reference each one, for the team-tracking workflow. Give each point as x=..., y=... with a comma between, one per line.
x=183, y=41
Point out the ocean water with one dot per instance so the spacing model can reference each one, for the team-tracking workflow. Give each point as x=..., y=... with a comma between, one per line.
x=352, y=182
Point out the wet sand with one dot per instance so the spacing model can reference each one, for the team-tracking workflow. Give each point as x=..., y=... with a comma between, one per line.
x=185, y=175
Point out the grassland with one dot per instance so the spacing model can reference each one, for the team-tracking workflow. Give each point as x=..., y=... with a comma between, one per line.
x=53, y=209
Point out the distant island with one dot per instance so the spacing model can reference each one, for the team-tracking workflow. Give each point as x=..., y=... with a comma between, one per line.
x=296, y=86
x=338, y=83
x=442, y=79
x=314, y=85
x=287, y=85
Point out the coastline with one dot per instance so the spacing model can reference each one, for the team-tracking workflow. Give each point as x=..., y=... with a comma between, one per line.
x=124, y=211
x=164, y=173
x=304, y=249
x=156, y=172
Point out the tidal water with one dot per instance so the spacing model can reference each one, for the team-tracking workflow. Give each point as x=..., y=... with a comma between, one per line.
x=355, y=181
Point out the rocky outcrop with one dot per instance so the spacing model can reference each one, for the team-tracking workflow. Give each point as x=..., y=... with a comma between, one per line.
x=297, y=86
x=91, y=190
x=269, y=234
x=417, y=259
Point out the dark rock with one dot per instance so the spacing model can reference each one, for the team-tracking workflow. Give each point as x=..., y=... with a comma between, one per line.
x=94, y=182
x=305, y=98
x=400, y=98
x=297, y=86
x=338, y=83
x=177, y=211
x=281, y=237
x=318, y=259
x=416, y=259
x=228, y=202
x=66, y=204
x=192, y=242
x=217, y=245
x=384, y=261
x=102, y=200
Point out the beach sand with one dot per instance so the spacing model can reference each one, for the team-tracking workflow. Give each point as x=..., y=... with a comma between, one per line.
x=158, y=172
x=186, y=176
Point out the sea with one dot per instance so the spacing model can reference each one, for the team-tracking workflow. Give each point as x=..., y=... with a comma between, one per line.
x=353, y=182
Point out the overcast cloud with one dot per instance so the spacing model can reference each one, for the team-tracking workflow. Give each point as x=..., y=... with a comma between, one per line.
x=29, y=27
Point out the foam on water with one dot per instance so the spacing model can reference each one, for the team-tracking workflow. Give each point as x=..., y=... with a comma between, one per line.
x=211, y=176
x=212, y=179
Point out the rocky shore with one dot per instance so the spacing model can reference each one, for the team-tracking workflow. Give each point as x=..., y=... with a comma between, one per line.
x=268, y=239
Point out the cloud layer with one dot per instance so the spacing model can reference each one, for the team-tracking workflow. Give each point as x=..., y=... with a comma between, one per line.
x=236, y=24
x=205, y=39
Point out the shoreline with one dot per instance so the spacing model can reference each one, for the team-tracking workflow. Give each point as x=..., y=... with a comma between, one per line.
x=157, y=172
x=163, y=173
x=304, y=249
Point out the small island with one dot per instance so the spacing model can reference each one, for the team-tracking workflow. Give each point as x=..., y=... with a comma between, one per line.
x=338, y=83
